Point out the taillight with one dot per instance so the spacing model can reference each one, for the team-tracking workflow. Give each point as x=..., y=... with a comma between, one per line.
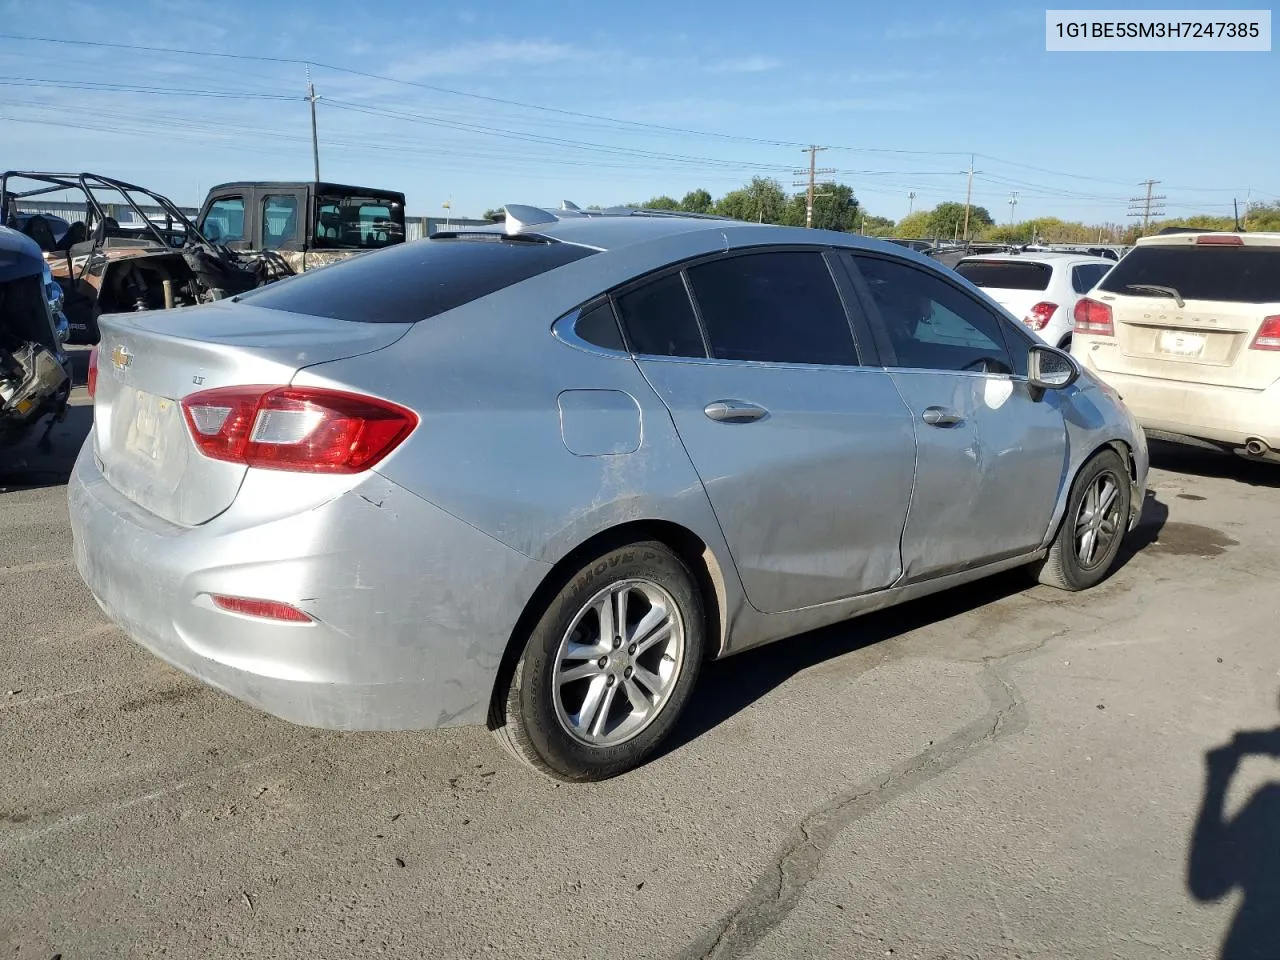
x=1268, y=337
x=304, y=429
x=1038, y=317
x=264, y=609
x=1093, y=318
x=1219, y=240
x=93, y=372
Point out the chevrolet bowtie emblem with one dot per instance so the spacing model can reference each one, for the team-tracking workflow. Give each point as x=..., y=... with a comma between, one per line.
x=121, y=357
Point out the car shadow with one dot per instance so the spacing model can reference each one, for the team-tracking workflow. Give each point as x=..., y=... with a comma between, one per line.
x=729, y=686
x=1200, y=462
x=33, y=464
x=1240, y=852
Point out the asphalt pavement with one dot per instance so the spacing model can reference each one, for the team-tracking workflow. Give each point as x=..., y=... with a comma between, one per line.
x=999, y=772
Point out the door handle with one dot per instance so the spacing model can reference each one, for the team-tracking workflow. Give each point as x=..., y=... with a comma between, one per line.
x=940, y=417
x=734, y=411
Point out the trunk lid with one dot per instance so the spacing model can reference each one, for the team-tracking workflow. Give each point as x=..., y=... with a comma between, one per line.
x=1226, y=291
x=147, y=362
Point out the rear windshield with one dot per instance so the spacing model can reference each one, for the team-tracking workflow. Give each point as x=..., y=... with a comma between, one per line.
x=1231, y=274
x=413, y=281
x=1006, y=274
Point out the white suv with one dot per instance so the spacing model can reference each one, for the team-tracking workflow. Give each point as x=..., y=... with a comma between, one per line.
x=1187, y=329
x=1040, y=289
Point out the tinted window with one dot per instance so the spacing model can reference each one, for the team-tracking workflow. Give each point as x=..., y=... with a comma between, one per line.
x=1085, y=277
x=357, y=222
x=413, y=281
x=779, y=307
x=930, y=324
x=1006, y=274
x=598, y=325
x=224, y=222
x=659, y=319
x=1233, y=274
x=279, y=221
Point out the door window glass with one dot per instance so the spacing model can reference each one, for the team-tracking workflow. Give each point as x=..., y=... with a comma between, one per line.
x=279, y=221
x=224, y=223
x=778, y=307
x=932, y=325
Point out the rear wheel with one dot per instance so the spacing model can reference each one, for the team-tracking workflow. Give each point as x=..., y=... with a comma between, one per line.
x=1093, y=527
x=1065, y=344
x=609, y=666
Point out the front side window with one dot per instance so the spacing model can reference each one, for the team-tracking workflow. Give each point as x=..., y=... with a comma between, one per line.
x=659, y=319
x=359, y=222
x=776, y=307
x=931, y=325
x=224, y=223
x=279, y=221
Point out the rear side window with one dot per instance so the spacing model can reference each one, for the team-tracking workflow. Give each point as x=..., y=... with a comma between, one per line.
x=659, y=319
x=778, y=307
x=413, y=281
x=597, y=325
x=1086, y=276
x=1231, y=274
x=1006, y=274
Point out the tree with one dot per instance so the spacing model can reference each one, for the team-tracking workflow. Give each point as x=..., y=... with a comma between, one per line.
x=916, y=226
x=834, y=208
x=874, y=226
x=697, y=201
x=661, y=203
x=760, y=201
x=946, y=220
x=497, y=216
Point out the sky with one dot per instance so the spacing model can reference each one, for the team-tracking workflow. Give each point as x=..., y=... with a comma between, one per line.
x=478, y=104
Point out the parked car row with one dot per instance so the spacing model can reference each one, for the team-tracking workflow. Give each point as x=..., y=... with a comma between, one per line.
x=533, y=476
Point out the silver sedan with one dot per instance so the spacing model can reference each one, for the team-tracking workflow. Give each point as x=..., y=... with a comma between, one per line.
x=533, y=477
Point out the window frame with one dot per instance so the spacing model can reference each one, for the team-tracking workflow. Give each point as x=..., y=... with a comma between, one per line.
x=1012, y=336
x=859, y=327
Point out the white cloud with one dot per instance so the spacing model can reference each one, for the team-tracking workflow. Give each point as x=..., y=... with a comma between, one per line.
x=757, y=63
x=479, y=57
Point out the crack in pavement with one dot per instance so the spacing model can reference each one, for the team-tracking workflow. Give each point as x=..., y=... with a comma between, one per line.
x=780, y=888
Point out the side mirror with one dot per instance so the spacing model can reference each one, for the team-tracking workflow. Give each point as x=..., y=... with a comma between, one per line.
x=1050, y=369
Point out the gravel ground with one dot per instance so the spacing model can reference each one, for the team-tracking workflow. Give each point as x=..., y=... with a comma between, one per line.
x=998, y=772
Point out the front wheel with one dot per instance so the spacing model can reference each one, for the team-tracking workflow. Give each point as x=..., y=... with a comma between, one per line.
x=1093, y=527
x=609, y=666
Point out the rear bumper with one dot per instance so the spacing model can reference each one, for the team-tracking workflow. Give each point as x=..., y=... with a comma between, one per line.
x=1225, y=415
x=412, y=607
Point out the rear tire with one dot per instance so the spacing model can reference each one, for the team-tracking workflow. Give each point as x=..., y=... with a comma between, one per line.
x=1093, y=526
x=608, y=667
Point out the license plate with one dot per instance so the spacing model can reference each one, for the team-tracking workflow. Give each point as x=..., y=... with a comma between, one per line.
x=1177, y=343
x=145, y=428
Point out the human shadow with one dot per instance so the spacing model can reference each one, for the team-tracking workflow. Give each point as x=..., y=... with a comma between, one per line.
x=1241, y=852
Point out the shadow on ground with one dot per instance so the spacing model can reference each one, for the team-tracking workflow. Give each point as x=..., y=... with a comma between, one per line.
x=31, y=464
x=1241, y=852
x=729, y=686
x=1199, y=462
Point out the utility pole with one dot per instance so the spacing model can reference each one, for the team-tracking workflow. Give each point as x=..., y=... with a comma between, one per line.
x=1147, y=206
x=911, y=202
x=968, y=197
x=1013, y=206
x=315, y=138
x=812, y=151
x=1248, y=202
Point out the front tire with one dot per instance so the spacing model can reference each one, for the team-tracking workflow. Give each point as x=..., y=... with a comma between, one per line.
x=1093, y=526
x=609, y=666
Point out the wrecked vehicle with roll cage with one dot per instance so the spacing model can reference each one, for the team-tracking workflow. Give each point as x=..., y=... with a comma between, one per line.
x=104, y=265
